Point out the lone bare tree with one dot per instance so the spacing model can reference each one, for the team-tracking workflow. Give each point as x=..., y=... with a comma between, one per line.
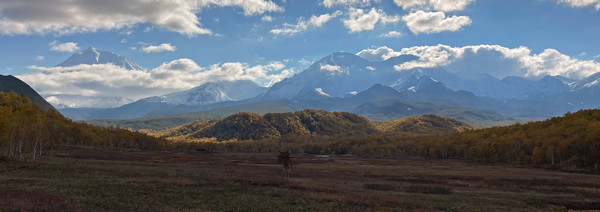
x=286, y=160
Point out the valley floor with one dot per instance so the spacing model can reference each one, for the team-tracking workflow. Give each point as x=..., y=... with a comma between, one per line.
x=95, y=180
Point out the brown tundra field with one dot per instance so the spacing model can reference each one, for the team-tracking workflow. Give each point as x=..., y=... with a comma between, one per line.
x=96, y=180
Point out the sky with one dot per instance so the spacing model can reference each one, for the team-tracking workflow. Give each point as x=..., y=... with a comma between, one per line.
x=183, y=43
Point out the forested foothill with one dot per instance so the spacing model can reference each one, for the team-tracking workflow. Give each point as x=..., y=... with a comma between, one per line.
x=28, y=133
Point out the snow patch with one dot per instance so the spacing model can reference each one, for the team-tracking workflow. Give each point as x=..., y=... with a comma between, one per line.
x=321, y=92
x=595, y=82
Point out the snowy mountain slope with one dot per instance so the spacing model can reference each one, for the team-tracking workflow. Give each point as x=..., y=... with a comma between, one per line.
x=427, y=89
x=590, y=81
x=337, y=75
x=94, y=56
x=206, y=96
x=511, y=87
x=213, y=92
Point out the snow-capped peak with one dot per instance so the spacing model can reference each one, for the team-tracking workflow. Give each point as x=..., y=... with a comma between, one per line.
x=425, y=81
x=93, y=51
x=213, y=92
x=94, y=56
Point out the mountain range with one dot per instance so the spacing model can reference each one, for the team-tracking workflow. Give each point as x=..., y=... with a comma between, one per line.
x=375, y=89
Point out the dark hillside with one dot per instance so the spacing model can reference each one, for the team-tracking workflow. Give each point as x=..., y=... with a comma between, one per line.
x=10, y=83
x=425, y=124
x=251, y=126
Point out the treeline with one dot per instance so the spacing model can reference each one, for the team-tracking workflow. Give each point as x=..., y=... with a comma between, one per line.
x=572, y=140
x=569, y=141
x=28, y=133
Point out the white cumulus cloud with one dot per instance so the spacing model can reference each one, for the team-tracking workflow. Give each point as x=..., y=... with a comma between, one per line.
x=581, y=3
x=438, y=5
x=328, y=67
x=358, y=20
x=39, y=58
x=333, y=69
x=434, y=22
x=250, y=7
x=410, y=4
x=63, y=47
x=267, y=73
x=304, y=25
x=266, y=18
x=332, y=3
x=378, y=54
x=391, y=34
x=495, y=60
x=68, y=17
x=160, y=48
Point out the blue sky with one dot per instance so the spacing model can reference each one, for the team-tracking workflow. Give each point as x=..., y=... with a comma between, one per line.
x=257, y=33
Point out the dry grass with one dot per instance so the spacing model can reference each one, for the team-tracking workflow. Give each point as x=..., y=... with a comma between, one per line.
x=85, y=180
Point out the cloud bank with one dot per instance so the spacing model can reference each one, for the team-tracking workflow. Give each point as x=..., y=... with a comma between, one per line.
x=68, y=17
x=108, y=80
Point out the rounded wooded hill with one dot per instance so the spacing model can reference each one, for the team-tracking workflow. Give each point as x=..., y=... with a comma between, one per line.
x=241, y=126
x=252, y=126
x=425, y=124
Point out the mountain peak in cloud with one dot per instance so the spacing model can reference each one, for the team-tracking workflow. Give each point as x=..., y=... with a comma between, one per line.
x=94, y=56
x=214, y=92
